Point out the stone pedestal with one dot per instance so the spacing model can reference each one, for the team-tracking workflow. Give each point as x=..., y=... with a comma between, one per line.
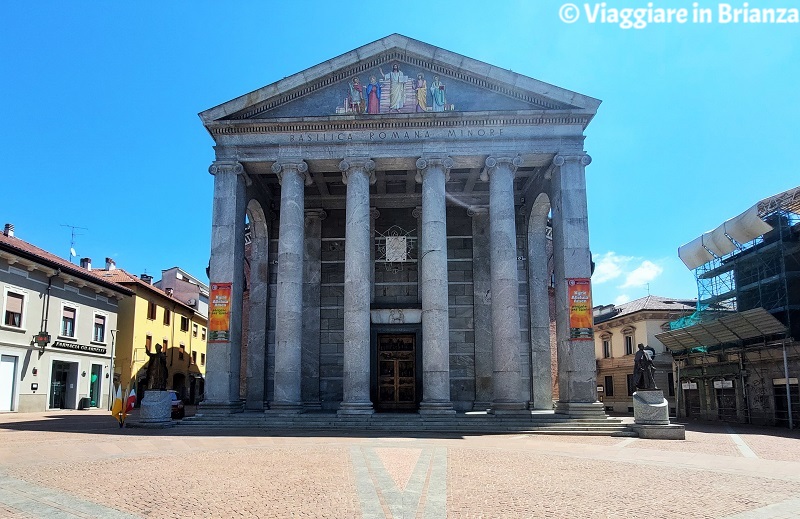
x=156, y=409
x=650, y=407
x=651, y=417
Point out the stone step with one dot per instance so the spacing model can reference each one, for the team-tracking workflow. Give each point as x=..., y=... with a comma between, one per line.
x=469, y=425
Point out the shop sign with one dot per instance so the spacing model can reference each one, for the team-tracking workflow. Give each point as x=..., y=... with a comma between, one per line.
x=79, y=347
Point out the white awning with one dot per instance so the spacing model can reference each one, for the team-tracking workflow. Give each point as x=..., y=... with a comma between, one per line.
x=742, y=228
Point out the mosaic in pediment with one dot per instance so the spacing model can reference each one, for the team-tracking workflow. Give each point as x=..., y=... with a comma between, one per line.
x=395, y=88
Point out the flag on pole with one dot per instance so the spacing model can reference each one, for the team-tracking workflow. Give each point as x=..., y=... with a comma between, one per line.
x=130, y=402
x=117, y=407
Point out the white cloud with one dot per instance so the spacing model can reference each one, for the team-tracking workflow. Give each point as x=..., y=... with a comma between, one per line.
x=610, y=266
x=622, y=298
x=643, y=274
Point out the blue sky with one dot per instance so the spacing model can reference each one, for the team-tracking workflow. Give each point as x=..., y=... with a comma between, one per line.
x=698, y=122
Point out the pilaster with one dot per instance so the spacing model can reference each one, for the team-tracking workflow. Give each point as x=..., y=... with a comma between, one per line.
x=311, y=308
x=482, y=306
x=539, y=303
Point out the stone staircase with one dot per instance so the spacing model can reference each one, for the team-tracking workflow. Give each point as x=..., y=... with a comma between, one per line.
x=461, y=423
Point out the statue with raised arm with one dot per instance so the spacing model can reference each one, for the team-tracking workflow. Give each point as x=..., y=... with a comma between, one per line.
x=643, y=369
x=157, y=369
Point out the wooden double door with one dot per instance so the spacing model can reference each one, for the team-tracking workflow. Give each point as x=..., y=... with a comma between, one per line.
x=397, y=372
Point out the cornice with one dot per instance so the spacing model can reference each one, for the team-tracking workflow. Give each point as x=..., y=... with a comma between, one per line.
x=642, y=315
x=399, y=122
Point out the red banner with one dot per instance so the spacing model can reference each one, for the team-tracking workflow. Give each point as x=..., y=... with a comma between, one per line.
x=219, y=316
x=579, y=294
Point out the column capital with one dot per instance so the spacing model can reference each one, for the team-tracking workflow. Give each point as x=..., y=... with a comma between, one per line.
x=493, y=163
x=318, y=214
x=423, y=163
x=417, y=212
x=352, y=165
x=477, y=210
x=374, y=214
x=280, y=168
x=226, y=166
x=583, y=158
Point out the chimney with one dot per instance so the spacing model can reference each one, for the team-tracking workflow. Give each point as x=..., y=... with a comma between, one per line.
x=8, y=230
x=86, y=263
x=110, y=264
x=147, y=278
x=170, y=291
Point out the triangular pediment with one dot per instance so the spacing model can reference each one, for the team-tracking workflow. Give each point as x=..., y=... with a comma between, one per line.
x=399, y=75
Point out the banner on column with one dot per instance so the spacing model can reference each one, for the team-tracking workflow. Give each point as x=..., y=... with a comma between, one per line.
x=219, y=316
x=579, y=294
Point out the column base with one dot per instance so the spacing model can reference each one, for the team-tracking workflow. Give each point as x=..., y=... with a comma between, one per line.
x=581, y=409
x=208, y=408
x=437, y=408
x=509, y=408
x=355, y=408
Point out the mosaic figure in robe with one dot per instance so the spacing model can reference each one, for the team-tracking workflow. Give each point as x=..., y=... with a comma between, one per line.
x=421, y=87
x=437, y=93
x=373, y=93
x=397, y=83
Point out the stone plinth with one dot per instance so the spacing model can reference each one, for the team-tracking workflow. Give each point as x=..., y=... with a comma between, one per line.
x=156, y=409
x=660, y=432
x=650, y=407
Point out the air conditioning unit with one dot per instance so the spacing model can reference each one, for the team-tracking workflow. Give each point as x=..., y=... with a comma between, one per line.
x=191, y=302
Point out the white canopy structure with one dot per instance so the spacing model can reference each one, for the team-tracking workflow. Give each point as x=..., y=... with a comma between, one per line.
x=740, y=229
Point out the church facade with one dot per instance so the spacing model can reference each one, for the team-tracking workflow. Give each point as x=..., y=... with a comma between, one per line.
x=400, y=199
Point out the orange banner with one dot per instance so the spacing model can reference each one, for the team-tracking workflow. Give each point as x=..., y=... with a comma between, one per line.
x=219, y=316
x=579, y=292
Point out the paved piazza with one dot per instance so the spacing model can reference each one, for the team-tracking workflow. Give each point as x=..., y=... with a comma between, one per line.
x=79, y=464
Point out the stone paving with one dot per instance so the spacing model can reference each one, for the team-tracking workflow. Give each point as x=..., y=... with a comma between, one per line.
x=79, y=464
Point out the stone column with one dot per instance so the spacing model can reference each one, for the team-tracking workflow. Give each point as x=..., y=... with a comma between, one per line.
x=482, y=307
x=577, y=371
x=539, y=301
x=357, y=175
x=226, y=266
x=432, y=173
x=507, y=392
x=311, y=316
x=289, y=296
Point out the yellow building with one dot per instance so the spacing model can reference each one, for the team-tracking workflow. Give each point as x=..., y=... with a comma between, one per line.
x=155, y=317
